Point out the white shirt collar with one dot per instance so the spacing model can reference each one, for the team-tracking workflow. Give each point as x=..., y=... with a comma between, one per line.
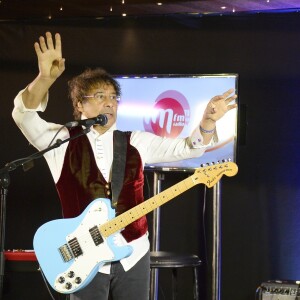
x=95, y=134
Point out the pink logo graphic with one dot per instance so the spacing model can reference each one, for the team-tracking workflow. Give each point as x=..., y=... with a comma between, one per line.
x=171, y=112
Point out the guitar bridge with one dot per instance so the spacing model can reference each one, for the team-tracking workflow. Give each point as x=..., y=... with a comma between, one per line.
x=65, y=253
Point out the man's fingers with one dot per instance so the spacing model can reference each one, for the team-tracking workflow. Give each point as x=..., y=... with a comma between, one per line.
x=57, y=42
x=61, y=64
x=48, y=44
x=49, y=40
x=43, y=44
x=37, y=48
x=228, y=93
x=225, y=96
x=232, y=106
x=229, y=99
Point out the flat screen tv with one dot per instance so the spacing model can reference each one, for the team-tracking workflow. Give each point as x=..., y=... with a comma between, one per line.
x=172, y=106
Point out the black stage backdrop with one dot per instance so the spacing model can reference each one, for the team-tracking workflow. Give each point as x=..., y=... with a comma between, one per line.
x=260, y=205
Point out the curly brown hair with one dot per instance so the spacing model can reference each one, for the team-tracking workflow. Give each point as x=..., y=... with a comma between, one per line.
x=80, y=85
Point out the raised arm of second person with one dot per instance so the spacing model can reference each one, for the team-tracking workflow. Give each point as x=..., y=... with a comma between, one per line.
x=216, y=108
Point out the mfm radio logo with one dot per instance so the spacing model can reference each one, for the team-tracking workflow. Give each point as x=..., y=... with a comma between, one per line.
x=171, y=112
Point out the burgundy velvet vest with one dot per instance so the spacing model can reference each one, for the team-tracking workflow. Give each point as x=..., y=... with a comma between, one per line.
x=81, y=182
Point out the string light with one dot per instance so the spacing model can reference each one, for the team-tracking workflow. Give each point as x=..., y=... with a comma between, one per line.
x=110, y=8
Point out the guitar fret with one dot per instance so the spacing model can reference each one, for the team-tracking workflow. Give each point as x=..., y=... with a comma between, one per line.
x=148, y=205
x=188, y=183
x=153, y=203
x=181, y=187
x=142, y=209
x=138, y=212
x=132, y=214
x=163, y=197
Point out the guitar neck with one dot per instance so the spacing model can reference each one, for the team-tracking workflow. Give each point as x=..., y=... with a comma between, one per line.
x=144, y=208
x=209, y=175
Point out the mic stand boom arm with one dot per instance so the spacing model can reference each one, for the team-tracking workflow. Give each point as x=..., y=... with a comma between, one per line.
x=4, y=183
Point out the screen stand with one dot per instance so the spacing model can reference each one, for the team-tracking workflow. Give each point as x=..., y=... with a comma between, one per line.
x=158, y=177
x=216, y=242
x=216, y=247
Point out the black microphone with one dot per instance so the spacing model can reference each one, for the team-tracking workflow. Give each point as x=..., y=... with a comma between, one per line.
x=100, y=120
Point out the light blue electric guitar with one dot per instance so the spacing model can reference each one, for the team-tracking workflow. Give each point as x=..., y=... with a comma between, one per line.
x=70, y=251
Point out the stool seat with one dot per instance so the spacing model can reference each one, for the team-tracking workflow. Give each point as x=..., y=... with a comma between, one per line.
x=173, y=260
x=165, y=259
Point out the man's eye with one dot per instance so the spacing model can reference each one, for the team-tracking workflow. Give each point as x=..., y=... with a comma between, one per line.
x=99, y=96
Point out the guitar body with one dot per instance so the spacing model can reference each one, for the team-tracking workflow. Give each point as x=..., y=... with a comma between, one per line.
x=70, y=251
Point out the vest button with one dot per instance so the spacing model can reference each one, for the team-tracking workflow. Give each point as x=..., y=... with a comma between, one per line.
x=107, y=186
x=108, y=193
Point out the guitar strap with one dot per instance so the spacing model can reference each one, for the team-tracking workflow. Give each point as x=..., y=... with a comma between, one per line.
x=118, y=166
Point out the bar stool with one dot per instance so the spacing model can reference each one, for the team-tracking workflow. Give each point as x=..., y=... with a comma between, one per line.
x=164, y=259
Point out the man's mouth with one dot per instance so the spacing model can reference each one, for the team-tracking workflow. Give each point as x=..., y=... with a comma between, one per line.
x=109, y=115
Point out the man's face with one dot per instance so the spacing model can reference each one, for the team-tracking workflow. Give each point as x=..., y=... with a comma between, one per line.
x=101, y=100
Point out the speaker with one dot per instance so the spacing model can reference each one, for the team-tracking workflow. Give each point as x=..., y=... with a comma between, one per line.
x=278, y=290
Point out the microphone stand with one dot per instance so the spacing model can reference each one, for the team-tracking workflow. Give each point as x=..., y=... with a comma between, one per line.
x=5, y=181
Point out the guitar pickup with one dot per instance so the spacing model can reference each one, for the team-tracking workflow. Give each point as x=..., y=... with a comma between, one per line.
x=65, y=252
x=70, y=250
x=96, y=235
x=75, y=247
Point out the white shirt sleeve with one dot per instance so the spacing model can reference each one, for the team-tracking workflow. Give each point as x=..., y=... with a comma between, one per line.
x=40, y=133
x=154, y=149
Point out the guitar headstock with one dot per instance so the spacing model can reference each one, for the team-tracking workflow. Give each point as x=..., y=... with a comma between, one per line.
x=210, y=174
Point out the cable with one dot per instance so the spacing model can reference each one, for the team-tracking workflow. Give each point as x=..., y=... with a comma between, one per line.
x=59, y=130
x=46, y=284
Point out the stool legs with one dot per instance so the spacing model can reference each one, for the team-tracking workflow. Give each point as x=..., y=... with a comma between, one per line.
x=196, y=285
x=174, y=284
